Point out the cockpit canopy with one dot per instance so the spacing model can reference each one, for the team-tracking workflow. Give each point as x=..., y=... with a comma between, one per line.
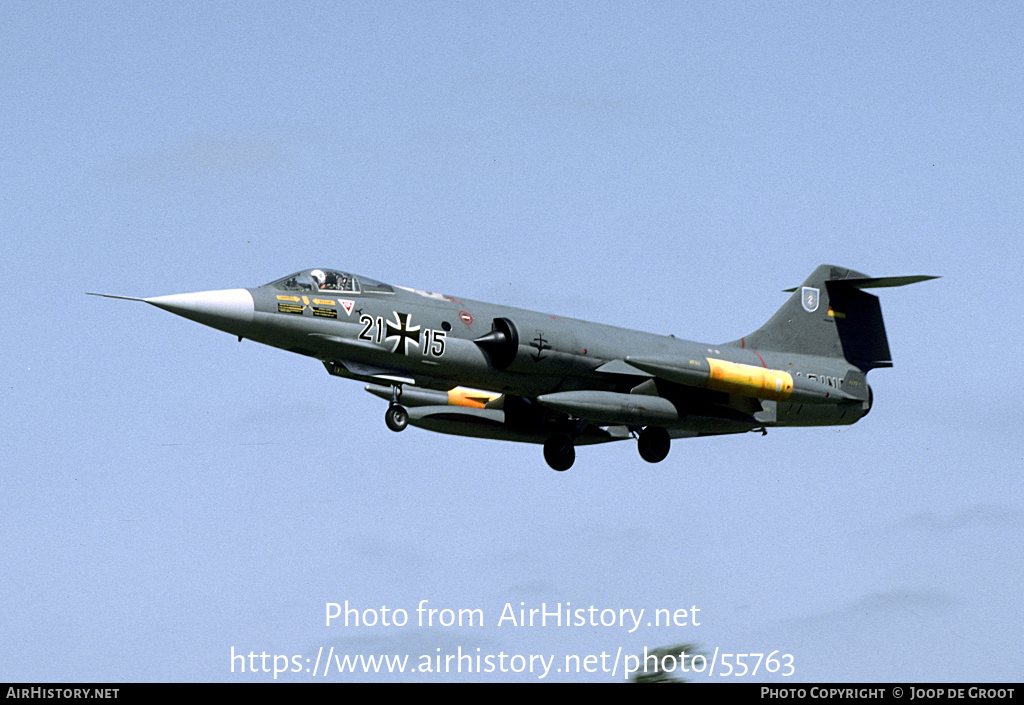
x=329, y=281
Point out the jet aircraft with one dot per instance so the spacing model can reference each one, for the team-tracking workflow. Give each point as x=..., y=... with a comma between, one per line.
x=463, y=367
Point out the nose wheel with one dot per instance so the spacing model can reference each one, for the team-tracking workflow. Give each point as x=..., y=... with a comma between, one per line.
x=396, y=418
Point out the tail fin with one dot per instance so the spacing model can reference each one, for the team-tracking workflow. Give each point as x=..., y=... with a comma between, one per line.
x=830, y=315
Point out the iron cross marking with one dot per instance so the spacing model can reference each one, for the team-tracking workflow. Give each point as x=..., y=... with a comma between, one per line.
x=402, y=333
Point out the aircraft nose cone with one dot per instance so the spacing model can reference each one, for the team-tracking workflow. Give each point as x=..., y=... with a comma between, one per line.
x=230, y=310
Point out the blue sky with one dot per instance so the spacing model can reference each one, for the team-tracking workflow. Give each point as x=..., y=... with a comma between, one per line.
x=169, y=494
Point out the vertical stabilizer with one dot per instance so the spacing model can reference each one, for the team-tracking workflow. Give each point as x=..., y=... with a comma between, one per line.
x=830, y=315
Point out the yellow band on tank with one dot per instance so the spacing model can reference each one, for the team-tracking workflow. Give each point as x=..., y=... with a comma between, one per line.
x=472, y=398
x=749, y=381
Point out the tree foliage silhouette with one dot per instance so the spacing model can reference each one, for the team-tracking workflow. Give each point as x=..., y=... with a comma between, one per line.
x=676, y=657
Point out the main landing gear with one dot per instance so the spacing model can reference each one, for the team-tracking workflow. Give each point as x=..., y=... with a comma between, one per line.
x=396, y=417
x=653, y=444
x=559, y=451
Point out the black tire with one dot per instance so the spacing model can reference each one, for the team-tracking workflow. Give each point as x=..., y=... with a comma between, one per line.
x=559, y=452
x=653, y=444
x=396, y=418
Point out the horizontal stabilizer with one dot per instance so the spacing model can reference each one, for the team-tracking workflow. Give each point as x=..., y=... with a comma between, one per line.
x=879, y=282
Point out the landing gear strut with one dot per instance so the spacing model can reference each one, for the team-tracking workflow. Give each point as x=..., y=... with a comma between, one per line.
x=653, y=444
x=559, y=451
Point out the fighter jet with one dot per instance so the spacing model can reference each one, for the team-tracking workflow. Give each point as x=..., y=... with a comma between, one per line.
x=453, y=365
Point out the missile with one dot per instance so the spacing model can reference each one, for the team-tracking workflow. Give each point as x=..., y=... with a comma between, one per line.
x=744, y=380
x=459, y=396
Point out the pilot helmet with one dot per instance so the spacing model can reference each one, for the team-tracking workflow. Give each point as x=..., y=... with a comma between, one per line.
x=318, y=277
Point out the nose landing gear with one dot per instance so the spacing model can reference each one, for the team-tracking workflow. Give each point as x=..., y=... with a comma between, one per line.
x=396, y=417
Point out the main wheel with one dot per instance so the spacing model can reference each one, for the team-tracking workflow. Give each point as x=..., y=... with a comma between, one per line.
x=396, y=418
x=653, y=444
x=559, y=451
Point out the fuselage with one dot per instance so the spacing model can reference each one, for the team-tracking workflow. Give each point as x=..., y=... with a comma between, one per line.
x=373, y=332
x=458, y=366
